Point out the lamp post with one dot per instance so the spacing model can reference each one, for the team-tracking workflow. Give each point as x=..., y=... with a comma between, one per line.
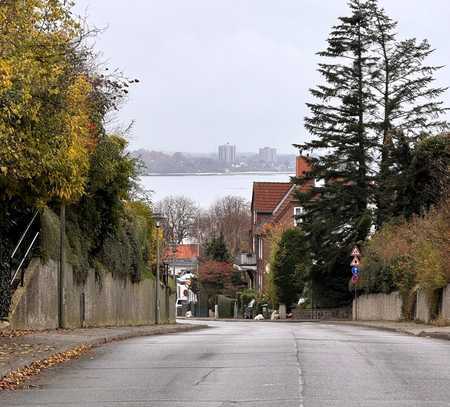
x=158, y=221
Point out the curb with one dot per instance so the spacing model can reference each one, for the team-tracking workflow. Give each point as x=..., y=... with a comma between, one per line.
x=105, y=339
x=162, y=331
x=291, y=321
x=435, y=335
x=421, y=334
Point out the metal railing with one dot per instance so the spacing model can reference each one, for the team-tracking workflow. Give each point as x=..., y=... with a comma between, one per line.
x=21, y=242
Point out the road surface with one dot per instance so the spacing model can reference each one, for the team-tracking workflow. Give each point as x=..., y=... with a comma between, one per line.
x=253, y=364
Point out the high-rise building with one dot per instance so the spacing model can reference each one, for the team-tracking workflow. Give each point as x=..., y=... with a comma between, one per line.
x=267, y=154
x=227, y=153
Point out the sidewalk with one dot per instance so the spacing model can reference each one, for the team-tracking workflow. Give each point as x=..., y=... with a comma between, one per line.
x=23, y=348
x=410, y=328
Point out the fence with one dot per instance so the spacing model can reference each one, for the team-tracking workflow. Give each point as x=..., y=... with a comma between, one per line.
x=323, y=313
x=226, y=306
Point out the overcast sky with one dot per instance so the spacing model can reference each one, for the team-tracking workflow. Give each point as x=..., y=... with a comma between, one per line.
x=238, y=71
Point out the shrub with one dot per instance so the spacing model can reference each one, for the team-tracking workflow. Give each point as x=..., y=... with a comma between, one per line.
x=407, y=255
x=289, y=266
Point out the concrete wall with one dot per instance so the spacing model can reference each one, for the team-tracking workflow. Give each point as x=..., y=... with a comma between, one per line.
x=422, y=307
x=388, y=307
x=103, y=302
x=381, y=307
x=35, y=306
x=446, y=303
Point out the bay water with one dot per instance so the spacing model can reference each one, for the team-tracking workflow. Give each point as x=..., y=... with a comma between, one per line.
x=205, y=189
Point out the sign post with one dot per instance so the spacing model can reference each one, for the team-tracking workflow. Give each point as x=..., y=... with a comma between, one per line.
x=356, y=254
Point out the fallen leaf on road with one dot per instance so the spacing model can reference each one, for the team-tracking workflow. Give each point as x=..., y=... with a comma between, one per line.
x=9, y=333
x=15, y=379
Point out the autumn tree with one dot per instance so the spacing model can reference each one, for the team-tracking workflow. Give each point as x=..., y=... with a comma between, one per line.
x=45, y=121
x=215, y=277
x=53, y=106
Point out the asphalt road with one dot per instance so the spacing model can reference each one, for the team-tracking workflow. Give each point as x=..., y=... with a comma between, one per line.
x=253, y=364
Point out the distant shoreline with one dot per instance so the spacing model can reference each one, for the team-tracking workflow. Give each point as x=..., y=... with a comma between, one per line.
x=210, y=174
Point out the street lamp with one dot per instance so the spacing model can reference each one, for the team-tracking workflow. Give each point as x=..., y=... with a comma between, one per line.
x=158, y=221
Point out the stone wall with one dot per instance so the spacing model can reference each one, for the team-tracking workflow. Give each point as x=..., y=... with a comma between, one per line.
x=105, y=301
x=378, y=307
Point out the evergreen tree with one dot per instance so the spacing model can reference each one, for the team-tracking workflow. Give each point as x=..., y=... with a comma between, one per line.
x=377, y=102
x=340, y=121
x=216, y=249
x=408, y=103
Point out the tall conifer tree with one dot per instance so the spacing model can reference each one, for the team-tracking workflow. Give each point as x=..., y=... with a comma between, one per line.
x=339, y=121
x=378, y=100
x=408, y=104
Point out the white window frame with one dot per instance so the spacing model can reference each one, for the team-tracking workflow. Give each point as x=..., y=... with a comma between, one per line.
x=260, y=248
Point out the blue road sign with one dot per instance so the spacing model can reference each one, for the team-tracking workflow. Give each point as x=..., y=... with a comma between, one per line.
x=355, y=271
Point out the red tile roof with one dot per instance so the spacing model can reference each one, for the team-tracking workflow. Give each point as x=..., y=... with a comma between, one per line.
x=184, y=251
x=267, y=195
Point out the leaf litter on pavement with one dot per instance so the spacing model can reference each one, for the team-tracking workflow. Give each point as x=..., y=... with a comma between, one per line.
x=17, y=378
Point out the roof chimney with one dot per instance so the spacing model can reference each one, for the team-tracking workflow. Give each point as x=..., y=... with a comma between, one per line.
x=302, y=165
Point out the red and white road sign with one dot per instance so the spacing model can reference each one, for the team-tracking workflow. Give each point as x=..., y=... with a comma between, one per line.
x=355, y=278
x=355, y=262
x=356, y=252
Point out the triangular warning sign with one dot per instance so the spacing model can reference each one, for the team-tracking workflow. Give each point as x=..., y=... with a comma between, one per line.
x=356, y=252
x=355, y=262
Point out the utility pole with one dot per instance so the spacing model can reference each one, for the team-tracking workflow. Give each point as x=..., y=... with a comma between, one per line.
x=158, y=226
x=158, y=221
x=62, y=232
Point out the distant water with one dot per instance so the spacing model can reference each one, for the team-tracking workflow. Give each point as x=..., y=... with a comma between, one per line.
x=205, y=189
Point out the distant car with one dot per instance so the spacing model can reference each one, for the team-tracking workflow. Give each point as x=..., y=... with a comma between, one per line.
x=185, y=277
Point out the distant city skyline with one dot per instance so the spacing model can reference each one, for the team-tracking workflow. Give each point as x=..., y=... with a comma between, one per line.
x=256, y=151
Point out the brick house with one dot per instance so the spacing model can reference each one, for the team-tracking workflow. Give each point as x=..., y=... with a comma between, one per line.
x=274, y=205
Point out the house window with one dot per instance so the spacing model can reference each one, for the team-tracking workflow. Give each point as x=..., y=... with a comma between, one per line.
x=298, y=211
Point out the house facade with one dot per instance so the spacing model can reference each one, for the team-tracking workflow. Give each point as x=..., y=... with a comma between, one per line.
x=182, y=261
x=274, y=206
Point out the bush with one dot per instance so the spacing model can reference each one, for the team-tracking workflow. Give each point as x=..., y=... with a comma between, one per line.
x=290, y=266
x=406, y=255
x=124, y=252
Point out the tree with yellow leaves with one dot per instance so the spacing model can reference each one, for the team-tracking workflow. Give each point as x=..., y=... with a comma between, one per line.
x=44, y=96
